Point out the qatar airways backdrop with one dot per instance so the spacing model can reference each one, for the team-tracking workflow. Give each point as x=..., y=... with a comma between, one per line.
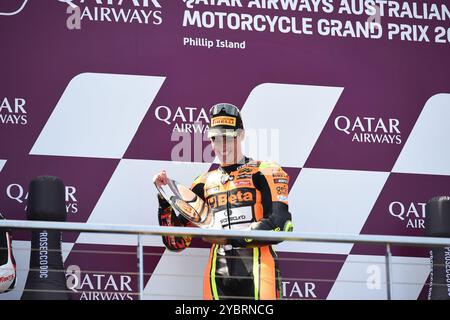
x=351, y=97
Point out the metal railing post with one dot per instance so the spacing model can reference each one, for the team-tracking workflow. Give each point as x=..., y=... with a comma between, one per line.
x=388, y=272
x=140, y=260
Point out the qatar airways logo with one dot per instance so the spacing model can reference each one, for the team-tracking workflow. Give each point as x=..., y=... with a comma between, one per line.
x=98, y=285
x=184, y=119
x=190, y=125
x=298, y=290
x=17, y=192
x=412, y=214
x=13, y=111
x=146, y=12
x=370, y=129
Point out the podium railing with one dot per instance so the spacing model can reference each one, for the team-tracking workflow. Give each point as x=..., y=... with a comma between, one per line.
x=141, y=231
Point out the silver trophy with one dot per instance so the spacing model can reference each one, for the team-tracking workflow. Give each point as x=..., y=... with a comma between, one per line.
x=188, y=204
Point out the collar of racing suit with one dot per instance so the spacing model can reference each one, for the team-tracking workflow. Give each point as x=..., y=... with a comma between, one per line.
x=233, y=167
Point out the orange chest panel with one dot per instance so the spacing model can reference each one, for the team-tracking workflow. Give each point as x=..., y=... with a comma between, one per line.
x=235, y=190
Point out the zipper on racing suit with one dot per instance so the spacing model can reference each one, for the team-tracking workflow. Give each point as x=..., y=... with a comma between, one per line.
x=228, y=204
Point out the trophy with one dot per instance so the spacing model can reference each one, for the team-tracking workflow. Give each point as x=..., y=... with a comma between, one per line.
x=188, y=204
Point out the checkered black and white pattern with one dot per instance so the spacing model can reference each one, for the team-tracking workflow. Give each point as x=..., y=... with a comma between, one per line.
x=322, y=200
x=102, y=120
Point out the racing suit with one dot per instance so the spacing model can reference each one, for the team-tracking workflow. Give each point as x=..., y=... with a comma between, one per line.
x=252, y=195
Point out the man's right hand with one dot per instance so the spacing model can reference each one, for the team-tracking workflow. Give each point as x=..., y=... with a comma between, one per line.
x=160, y=179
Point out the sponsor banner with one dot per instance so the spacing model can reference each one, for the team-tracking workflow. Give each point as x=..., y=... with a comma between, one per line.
x=108, y=92
x=84, y=182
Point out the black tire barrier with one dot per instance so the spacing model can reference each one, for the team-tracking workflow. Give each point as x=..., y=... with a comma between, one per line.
x=46, y=279
x=7, y=261
x=437, y=224
x=46, y=199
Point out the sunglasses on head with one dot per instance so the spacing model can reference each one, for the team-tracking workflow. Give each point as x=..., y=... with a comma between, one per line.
x=227, y=108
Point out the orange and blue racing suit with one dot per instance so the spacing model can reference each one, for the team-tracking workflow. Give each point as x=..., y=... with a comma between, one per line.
x=252, y=195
